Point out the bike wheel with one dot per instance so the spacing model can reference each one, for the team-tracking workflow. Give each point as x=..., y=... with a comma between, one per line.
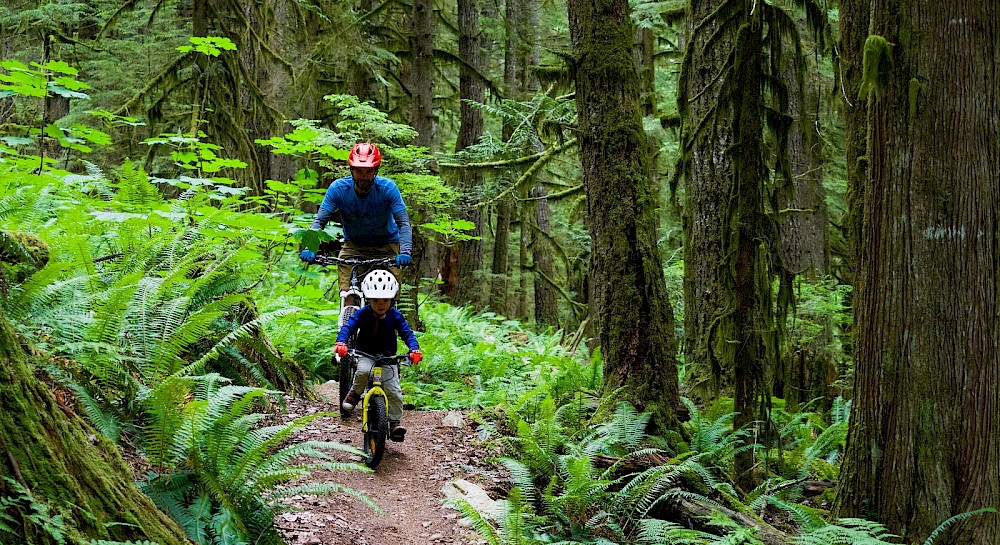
x=346, y=381
x=378, y=430
x=347, y=365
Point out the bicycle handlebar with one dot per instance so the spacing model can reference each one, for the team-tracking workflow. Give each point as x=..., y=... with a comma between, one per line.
x=393, y=358
x=331, y=260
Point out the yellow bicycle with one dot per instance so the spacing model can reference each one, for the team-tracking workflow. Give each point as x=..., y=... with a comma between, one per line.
x=374, y=406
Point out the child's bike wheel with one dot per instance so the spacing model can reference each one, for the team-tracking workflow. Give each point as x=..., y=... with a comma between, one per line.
x=378, y=430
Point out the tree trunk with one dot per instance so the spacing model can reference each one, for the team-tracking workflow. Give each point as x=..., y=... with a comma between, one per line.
x=804, y=370
x=422, y=111
x=854, y=22
x=524, y=276
x=637, y=333
x=924, y=434
x=498, y=291
x=546, y=308
x=708, y=180
x=803, y=245
x=362, y=79
x=64, y=463
x=467, y=257
x=422, y=72
x=750, y=284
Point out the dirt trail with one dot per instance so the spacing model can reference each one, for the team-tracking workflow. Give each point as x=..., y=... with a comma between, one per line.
x=407, y=484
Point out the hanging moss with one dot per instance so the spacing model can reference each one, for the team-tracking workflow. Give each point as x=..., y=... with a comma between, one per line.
x=875, y=65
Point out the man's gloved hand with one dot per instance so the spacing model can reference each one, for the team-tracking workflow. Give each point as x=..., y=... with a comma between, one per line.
x=403, y=260
x=341, y=349
x=416, y=356
x=307, y=255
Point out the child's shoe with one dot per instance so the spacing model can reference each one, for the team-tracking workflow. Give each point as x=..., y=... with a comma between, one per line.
x=396, y=432
x=350, y=400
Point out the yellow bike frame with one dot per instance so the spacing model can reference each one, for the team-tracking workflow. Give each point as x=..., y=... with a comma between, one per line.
x=374, y=389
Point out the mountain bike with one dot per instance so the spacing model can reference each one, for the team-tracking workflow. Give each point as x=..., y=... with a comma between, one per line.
x=375, y=406
x=351, y=300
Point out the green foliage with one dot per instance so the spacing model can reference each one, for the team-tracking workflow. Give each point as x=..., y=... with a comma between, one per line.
x=449, y=233
x=192, y=153
x=943, y=527
x=209, y=45
x=481, y=360
x=219, y=473
x=24, y=517
x=363, y=122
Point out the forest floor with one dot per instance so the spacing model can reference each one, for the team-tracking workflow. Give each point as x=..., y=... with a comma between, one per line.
x=408, y=485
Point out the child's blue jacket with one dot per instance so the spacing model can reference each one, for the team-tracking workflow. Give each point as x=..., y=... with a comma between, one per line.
x=378, y=336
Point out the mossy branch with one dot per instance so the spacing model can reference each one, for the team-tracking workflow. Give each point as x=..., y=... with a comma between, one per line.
x=160, y=78
x=511, y=162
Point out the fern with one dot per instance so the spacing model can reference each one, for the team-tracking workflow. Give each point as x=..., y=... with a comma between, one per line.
x=213, y=450
x=943, y=527
x=33, y=515
x=848, y=531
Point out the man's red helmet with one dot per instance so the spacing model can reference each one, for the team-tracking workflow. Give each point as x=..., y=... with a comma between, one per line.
x=364, y=155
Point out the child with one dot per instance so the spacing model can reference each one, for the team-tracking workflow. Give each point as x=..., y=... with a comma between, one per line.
x=379, y=324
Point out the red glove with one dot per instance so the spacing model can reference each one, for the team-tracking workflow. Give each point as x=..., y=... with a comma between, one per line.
x=341, y=349
x=416, y=356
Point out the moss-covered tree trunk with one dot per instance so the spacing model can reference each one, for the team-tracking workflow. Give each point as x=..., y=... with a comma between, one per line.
x=637, y=322
x=708, y=179
x=747, y=277
x=65, y=463
x=924, y=438
x=854, y=22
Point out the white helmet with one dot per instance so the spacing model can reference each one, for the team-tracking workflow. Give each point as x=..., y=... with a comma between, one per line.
x=380, y=284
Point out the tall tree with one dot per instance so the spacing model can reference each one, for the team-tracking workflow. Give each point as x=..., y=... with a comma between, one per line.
x=708, y=179
x=546, y=309
x=924, y=437
x=468, y=255
x=637, y=324
x=804, y=370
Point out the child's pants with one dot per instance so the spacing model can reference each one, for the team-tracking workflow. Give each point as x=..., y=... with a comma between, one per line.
x=390, y=383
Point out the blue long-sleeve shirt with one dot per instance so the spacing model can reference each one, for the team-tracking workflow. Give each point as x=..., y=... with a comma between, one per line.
x=377, y=336
x=376, y=219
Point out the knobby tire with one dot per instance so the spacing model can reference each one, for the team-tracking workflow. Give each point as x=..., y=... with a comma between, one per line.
x=378, y=430
x=347, y=366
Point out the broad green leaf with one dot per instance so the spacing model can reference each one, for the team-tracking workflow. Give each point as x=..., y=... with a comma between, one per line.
x=311, y=238
x=58, y=66
x=70, y=83
x=16, y=140
x=64, y=92
x=54, y=131
x=282, y=187
x=115, y=216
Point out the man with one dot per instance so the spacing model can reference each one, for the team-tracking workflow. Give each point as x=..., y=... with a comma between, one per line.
x=371, y=211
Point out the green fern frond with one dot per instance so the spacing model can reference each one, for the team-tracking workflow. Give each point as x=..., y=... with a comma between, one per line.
x=324, y=489
x=483, y=526
x=522, y=477
x=848, y=531
x=233, y=336
x=658, y=532
x=104, y=542
x=943, y=527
